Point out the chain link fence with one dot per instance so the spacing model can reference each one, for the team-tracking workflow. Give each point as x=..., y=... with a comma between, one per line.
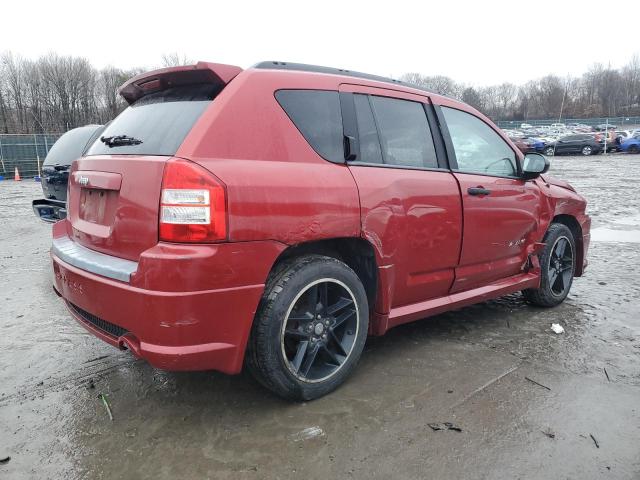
x=619, y=122
x=26, y=152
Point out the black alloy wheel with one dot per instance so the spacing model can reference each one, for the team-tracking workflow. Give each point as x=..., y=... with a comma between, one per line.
x=310, y=327
x=557, y=267
x=319, y=330
x=560, y=266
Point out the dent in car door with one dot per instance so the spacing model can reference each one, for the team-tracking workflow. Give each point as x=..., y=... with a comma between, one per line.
x=501, y=211
x=410, y=208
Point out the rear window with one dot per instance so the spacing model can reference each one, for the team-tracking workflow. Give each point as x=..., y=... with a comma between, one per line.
x=316, y=113
x=160, y=121
x=70, y=146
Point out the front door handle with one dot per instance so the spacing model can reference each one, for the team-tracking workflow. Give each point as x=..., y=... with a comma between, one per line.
x=478, y=191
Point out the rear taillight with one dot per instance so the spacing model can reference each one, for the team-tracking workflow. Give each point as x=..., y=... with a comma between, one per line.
x=192, y=204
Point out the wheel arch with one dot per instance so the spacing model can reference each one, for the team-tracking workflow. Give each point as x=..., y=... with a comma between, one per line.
x=357, y=253
x=572, y=224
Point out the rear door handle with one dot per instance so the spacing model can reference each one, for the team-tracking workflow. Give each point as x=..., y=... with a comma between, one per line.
x=478, y=191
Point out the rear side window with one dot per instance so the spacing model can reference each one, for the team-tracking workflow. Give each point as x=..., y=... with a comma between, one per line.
x=404, y=133
x=316, y=113
x=160, y=121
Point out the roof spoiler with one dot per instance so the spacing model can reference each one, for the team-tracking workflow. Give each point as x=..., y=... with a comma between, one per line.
x=158, y=80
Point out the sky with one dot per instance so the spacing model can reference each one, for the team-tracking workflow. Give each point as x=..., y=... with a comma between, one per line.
x=478, y=43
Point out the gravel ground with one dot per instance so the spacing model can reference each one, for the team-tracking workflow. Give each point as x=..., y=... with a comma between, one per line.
x=470, y=367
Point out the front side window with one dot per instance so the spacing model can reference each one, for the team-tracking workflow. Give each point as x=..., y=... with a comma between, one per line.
x=404, y=133
x=478, y=148
x=316, y=114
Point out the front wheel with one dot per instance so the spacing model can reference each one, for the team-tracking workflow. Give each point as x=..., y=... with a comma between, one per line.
x=310, y=329
x=586, y=150
x=549, y=151
x=634, y=149
x=557, y=263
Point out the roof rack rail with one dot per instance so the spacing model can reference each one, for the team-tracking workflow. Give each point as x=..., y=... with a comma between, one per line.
x=334, y=71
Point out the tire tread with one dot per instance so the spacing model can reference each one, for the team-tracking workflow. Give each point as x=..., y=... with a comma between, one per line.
x=261, y=360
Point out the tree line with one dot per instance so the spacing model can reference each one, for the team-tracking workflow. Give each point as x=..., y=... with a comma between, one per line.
x=55, y=93
x=599, y=92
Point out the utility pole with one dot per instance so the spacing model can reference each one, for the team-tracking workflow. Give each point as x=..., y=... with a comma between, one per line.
x=606, y=134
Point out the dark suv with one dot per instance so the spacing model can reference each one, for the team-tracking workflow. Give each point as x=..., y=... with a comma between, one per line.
x=274, y=217
x=582, y=143
x=55, y=171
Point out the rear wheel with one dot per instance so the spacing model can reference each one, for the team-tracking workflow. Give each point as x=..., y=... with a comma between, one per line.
x=586, y=150
x=310, y=329
x=549, y=151
x=557, y=263
x=634, y=149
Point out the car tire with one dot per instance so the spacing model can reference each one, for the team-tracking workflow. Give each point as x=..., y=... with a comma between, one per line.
x=586, y=150
x=549, y=151
x=634, y=149
x=557, y=264
x=310, y=328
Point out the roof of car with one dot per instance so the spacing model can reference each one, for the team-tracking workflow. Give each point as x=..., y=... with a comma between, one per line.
x=303, y=67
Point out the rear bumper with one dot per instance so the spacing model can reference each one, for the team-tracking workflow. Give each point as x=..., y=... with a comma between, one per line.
x=48, y=210
x=187, y=307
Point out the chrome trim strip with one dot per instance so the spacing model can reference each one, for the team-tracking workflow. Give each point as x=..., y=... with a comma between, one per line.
x=95, y=262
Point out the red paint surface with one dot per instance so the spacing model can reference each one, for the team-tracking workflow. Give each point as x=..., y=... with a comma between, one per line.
x=191, y=306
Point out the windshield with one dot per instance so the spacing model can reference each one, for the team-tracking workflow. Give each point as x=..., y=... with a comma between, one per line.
x=157, y=123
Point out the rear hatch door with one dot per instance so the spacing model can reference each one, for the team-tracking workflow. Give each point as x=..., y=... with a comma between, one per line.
x=114, y=190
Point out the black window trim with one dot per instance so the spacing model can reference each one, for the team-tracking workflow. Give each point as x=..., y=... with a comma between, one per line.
x=350, y=127
x=349, y=122
x=451, y=153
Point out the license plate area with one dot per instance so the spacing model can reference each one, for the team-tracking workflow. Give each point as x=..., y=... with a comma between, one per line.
x=98, y=206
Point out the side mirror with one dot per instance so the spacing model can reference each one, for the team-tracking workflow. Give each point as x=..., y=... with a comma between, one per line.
x=534, y=165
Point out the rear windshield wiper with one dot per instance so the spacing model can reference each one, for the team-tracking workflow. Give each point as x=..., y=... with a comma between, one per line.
x=119, y=140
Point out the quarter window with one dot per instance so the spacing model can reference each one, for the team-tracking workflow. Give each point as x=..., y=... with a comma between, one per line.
x=478, y=148
x=405, y=135
x=316, y=113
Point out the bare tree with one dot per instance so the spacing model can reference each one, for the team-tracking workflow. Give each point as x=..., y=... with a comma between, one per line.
x=12, y=69
x=437, y=84
x=175, y=59
x=506, y=95
x=471, y=96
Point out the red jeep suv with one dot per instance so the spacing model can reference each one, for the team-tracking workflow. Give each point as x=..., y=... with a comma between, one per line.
x=278, y=215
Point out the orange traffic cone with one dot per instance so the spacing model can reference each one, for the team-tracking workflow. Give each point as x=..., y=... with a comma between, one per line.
x=17, y=175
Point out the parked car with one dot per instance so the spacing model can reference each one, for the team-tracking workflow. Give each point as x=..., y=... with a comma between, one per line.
x=582, y=143
x=622, y=134
x=603, y=126
x=524, y=126
x=204, y=236
x=538, y=144
x=631, y=145
x=55, y=171
x=523, y=144
x=558, y=126
x=633, y=132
